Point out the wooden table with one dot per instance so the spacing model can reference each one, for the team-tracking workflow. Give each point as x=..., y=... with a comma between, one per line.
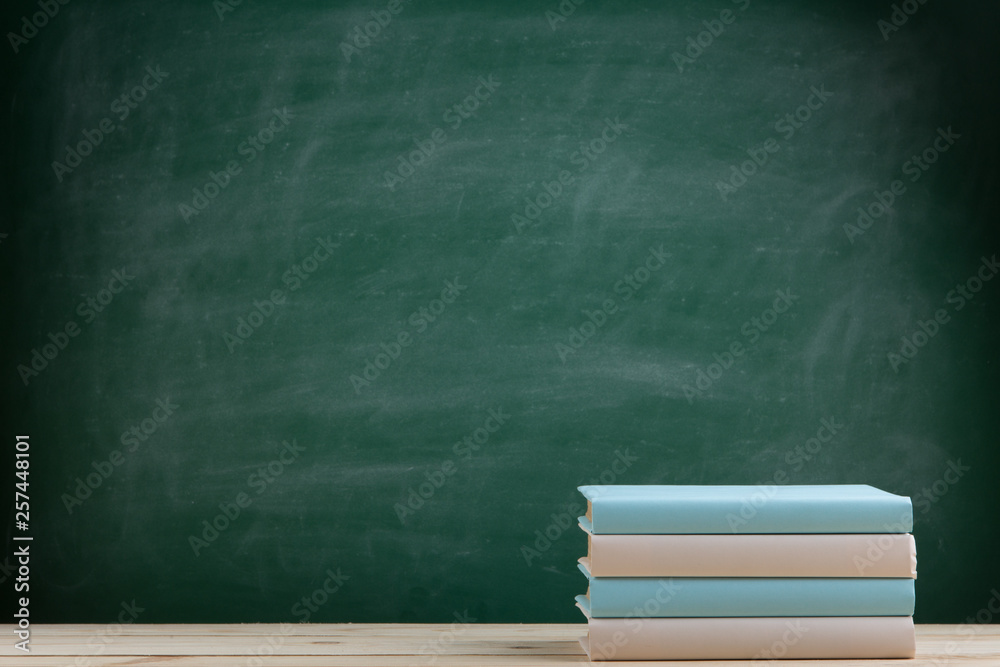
x=293, y=645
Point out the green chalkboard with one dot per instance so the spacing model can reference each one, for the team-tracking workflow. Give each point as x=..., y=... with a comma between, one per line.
x=322, y=311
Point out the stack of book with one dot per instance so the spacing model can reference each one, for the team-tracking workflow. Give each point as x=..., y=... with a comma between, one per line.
x=747, y=573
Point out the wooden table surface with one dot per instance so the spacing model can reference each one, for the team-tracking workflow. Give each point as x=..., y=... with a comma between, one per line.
x=316, y=645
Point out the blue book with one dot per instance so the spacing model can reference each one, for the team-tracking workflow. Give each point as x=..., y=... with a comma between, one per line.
x=835, y=508
x=718, y=597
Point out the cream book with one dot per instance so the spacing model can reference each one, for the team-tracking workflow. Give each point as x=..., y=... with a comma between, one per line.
x=754, y=638
x=864, y=555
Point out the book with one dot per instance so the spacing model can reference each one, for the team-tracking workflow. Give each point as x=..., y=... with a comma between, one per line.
x=845, y=508
x=673, y=597
x=858, y=555
x=754, y=639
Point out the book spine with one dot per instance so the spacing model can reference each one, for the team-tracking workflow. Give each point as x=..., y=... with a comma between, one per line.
x=754, y=639
x=752, y=515
x=857, y=555
x=611, y=597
